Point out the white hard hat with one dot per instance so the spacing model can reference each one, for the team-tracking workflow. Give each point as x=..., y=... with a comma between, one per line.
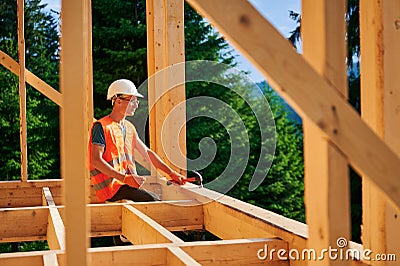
x=122, y=86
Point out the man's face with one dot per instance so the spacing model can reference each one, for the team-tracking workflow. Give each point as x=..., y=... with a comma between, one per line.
x=131, y=103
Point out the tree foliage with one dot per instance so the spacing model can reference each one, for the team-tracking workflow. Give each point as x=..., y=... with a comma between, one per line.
x=41, y=39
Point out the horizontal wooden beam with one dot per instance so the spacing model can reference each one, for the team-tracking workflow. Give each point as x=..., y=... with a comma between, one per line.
x=227, y=223
x=242, y=220
x=231, y=252
x=221, y=252
x=308, y=92
x=154, y=254
x=129, y=255
x=28, y=194
x=173, y=215
x=32, y=79
x=50, y=183
x=23, y=224
x=187, y=214
x=32, y=258
x=237, y=252
x=253, y=221
x=105, y=219
x=151, y=232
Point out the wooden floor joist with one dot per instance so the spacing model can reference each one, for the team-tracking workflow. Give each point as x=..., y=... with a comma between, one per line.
x=50, y=259
x=244, y=232
x=151, y=231
x=55, y=226
x=154, y=220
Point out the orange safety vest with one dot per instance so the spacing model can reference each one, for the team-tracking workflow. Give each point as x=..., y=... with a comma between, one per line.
x=119, y=153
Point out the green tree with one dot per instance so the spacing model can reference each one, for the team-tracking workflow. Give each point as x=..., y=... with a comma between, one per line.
x=41, y=38
x=119, y=46
x=283, y=189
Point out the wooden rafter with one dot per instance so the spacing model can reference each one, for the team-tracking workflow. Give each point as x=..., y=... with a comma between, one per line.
x=32, y=79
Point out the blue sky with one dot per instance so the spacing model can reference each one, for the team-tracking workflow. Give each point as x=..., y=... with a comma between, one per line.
x=276, y=11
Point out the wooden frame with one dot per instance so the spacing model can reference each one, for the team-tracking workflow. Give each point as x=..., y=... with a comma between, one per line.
x=318, y=94
x=310, y=94
x=156, y=220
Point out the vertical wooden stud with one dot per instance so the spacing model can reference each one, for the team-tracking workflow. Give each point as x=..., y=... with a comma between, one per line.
x=380, y=96
x=76, y=118
x=175, y=53
x=391, y=40
x=371, y=45
x=22, y=90
x=165, y=24
x=327, y=195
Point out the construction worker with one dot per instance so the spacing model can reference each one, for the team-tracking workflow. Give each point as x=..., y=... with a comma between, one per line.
x=113, y=141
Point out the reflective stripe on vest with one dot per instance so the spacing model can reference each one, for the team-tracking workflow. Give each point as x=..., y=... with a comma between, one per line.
x=118, y=153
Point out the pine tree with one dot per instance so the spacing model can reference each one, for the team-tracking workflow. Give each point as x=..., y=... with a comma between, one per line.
x=41, y=38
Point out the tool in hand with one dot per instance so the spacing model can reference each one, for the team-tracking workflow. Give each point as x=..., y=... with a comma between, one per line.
x=196, y=179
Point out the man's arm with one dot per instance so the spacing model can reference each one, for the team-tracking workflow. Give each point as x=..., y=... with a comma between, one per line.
x=100, y=164
x=157, y=162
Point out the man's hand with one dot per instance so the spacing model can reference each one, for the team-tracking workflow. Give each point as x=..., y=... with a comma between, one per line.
x=177, y=178
x=135, y=181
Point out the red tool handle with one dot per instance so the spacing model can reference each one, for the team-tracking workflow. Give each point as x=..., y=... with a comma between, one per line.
x=189, y=179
